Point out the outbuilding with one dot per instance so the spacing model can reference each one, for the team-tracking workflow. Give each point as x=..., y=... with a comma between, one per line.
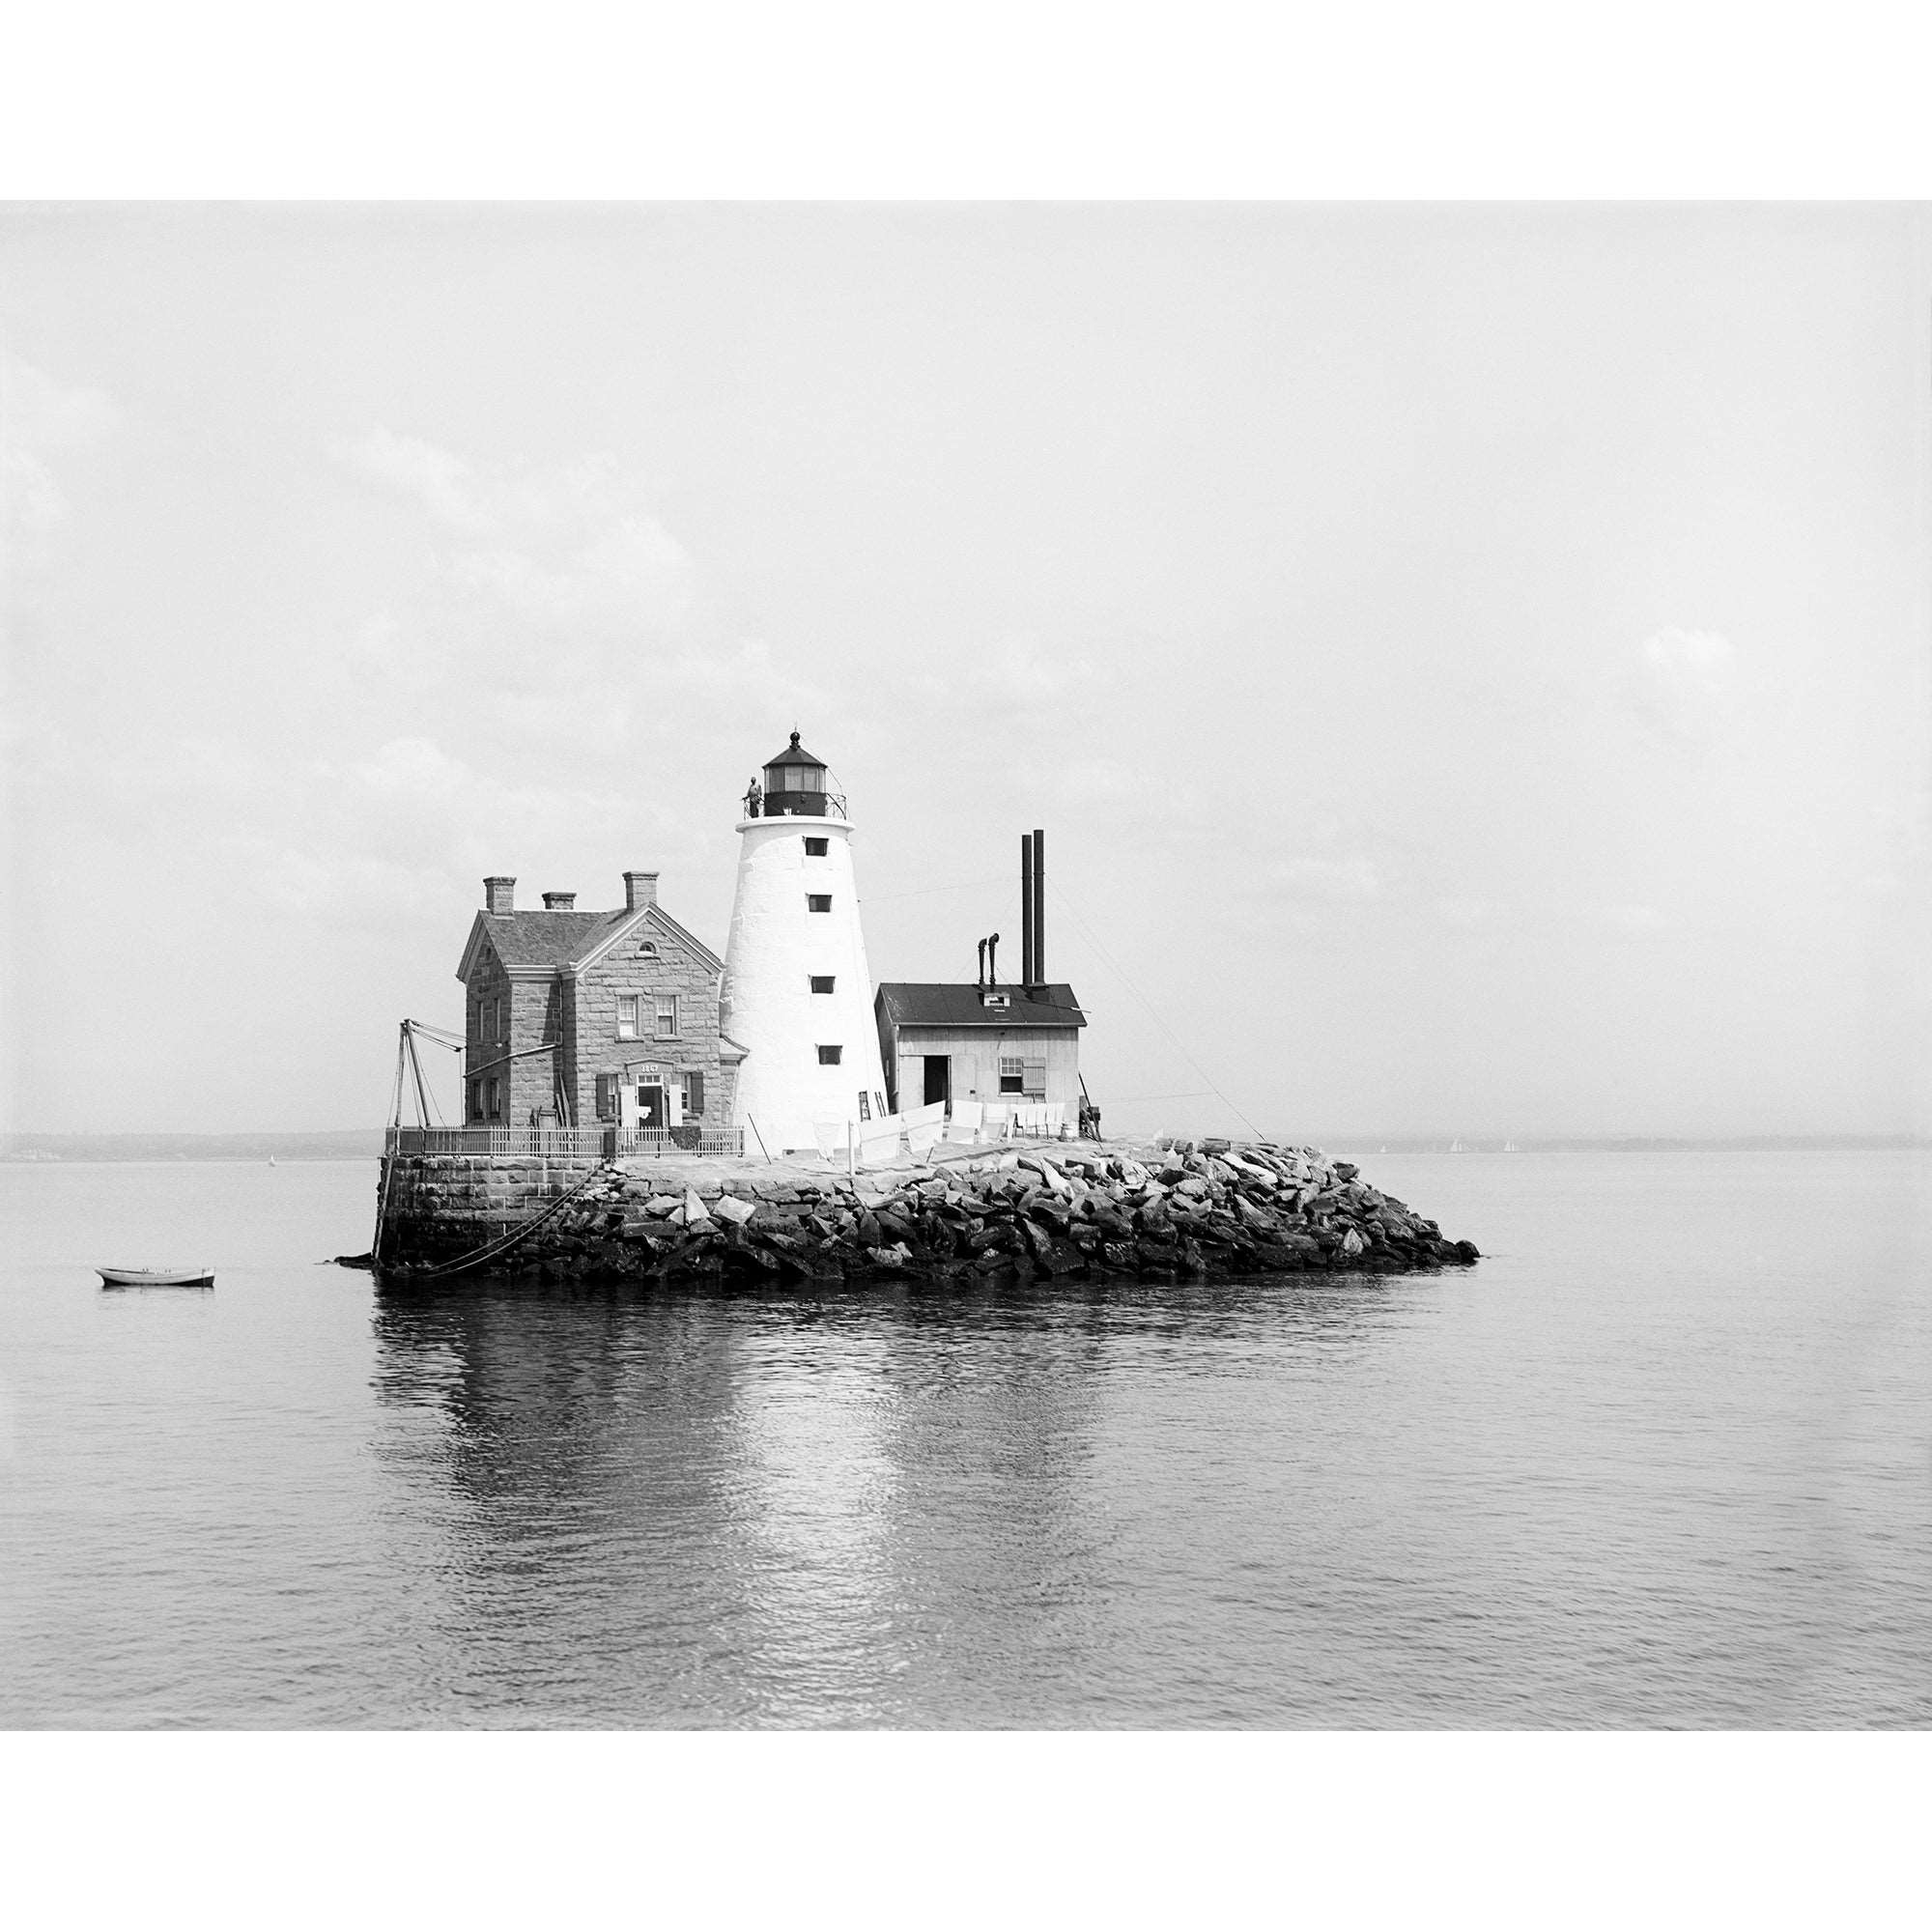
x=979, y=1042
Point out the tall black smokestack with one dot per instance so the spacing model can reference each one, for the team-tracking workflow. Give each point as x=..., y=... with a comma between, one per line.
x=1026, y=909
x=1038, y=907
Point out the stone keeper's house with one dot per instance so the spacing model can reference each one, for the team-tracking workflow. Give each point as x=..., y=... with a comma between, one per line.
x=582, y=1017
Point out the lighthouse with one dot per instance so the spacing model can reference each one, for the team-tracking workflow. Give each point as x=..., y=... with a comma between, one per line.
x=797, y=994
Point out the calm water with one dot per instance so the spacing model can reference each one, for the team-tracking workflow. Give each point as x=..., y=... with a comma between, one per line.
x=1664, y=1457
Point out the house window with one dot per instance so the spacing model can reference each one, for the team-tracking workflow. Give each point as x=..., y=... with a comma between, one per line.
x=627, y=1016
x=817, y=848
x=818, y=902
x=494, y=1098
x=476, y=1100
x=1012, y=1075
x=694, y=1097
x=829, y=1056
x=667, y=1016
x=648, y=950
x=821, y=982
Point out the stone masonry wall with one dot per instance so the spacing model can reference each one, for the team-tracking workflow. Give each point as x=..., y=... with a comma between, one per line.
x=442, y=1206
x=485, y=1043
x=695, y=1049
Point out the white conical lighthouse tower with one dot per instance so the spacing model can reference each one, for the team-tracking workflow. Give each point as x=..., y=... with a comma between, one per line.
x=797, y=993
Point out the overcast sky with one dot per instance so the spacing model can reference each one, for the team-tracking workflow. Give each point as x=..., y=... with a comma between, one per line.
x=1470, y=664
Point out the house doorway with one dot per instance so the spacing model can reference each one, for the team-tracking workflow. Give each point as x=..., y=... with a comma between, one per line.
x=938, y=1077
x=651, y=1107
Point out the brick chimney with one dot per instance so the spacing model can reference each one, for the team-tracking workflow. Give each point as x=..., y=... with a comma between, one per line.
x=559, y=901
x=499, y=895
x=640, y=889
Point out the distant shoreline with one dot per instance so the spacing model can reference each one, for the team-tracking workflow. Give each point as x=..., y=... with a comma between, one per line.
x=366, y=1144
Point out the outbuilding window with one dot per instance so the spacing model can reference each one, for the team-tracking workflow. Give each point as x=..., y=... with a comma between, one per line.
x=1012, y=1075
x=829, y=1056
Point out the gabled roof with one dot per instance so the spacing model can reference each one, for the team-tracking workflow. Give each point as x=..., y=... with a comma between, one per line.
x=547, y=938
x=651, y=918
x=910, y=1003
x=569, y=942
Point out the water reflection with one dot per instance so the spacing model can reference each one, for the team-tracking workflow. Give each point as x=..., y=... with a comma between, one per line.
x=662, y=1505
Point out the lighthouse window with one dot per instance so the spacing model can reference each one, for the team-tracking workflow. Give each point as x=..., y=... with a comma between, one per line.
x=821, y=982
x=829, y=1056
x=818, y=902
x=817, y=848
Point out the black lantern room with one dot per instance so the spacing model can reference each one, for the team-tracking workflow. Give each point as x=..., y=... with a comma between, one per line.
x=795, y=784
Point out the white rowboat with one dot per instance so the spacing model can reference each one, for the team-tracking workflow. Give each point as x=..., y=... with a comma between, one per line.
x=157, y=1278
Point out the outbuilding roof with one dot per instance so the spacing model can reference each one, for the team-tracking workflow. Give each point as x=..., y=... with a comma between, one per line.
x=917, y=1003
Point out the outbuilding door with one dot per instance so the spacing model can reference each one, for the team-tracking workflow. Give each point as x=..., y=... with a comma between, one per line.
x=938, y=1077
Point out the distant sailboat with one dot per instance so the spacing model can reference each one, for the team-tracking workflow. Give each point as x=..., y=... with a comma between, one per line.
x=1510, y=1147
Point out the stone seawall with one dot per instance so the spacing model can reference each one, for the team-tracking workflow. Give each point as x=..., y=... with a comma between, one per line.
x=1160, y=1209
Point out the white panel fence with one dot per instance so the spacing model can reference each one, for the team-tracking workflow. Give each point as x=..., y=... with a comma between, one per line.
x=970, y=1124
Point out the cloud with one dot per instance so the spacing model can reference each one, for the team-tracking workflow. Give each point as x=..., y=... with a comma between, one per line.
x=1681, y=685
x=1346, y=881
x=1631, y=920
x=1010, y=678
x=634, y=566
x=37, y=415
x=411, y=768
x=573, y=545
x=1102, y=782
x=443, y=483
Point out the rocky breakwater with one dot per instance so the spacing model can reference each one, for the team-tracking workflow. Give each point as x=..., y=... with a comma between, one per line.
x=1164, y=1208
